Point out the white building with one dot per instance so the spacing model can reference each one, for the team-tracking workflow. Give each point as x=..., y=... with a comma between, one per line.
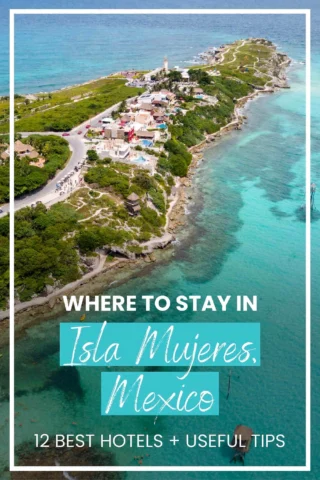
x=116, y=149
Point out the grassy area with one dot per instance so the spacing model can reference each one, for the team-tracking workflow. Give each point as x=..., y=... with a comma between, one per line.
x=248, y=63
x=63, y=110
x=248, y=55
x=4, y=111
x=247, y=76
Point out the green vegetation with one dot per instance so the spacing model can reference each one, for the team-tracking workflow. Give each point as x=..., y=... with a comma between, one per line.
x=246, y=75
x=109, y=176
x=92, y=156
x=175, y=76
x=248, y=62
x=4, y=261
x=200, y=76
x=94, y=237
x=4, y=112
x=56, y=152
x=42, y=254
x=178, y=159
x=122, y=108
x=121, y=179
x=4, y=182
x=65, y=109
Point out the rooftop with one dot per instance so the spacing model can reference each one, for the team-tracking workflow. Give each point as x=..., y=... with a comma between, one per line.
x=20, y=147
x=133, y=197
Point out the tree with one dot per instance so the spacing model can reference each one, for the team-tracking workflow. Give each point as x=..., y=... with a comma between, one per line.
x=175, y=76
x=178, y=165
x=88, y=241
x=200, y=76
x=92, y=156
x=122, y=106
x=143, y=180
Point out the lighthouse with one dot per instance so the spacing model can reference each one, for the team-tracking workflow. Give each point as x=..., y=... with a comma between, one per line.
x=165, y=64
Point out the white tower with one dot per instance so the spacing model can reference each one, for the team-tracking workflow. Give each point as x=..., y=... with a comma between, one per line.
x=165, y=64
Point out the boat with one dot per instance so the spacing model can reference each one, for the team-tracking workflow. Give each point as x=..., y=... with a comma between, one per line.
x=242, y=437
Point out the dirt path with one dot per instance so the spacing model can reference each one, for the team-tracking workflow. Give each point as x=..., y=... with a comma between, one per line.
x=234, y=53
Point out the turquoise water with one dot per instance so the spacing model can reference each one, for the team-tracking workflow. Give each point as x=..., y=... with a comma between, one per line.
x=147, y=143
x=244, y=235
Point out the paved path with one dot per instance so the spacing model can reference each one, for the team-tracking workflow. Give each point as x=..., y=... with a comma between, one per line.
x=47, y=194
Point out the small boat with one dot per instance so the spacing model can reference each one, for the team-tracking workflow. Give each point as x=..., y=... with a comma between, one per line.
x=83, y=317
x=242, y=437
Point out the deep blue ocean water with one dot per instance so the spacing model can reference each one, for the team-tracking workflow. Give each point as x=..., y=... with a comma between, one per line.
x=244, y=233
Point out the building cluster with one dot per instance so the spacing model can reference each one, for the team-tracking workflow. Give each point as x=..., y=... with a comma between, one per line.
x=143, y=124
x=24, y=150
x=141, y=129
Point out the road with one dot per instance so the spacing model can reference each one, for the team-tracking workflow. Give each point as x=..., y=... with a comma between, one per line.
x=48, y=194
x=78, y=152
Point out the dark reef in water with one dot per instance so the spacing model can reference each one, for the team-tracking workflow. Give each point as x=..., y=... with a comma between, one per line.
x=65, y=379
x=301, y=214
x=279, y=213
x=220, y=223
x=52, y=456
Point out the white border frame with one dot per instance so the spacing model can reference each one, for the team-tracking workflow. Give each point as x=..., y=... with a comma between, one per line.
x=305, y=12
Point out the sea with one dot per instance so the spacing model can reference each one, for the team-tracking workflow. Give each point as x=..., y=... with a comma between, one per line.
x=244, y=235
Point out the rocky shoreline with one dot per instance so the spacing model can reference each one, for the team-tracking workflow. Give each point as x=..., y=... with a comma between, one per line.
x=104, y=275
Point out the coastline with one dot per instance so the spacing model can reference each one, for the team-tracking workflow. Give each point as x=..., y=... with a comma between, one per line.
x=102, y=274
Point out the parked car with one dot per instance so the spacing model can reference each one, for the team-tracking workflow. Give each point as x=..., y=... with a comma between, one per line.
x=65, y=134
x=1, y=211
x=88, y=126
x=80, y=131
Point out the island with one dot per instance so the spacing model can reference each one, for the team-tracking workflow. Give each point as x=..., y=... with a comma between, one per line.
x=140, y=135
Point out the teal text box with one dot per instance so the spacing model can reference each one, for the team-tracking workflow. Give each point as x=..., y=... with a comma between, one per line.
x=118, y=344
x=159, y=393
